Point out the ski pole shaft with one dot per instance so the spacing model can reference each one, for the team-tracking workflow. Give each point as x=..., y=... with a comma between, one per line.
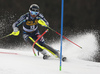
x=69, y=40
x=64, y=37
x=6, y=36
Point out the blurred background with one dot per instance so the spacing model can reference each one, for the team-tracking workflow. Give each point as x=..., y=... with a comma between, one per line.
x=79, y=16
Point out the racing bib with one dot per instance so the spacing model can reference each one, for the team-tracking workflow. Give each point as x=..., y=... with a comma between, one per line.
x=30, y=23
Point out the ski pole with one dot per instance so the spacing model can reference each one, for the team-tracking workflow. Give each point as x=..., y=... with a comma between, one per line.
x=65, y=37
x=13, y=33
x=43, y=23
x=38, y=39
x=6, y=36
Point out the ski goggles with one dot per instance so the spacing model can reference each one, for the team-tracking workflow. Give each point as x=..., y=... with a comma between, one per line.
x=33, y=12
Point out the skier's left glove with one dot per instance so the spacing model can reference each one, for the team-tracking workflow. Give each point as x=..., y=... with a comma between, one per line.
x=15, y=31
x=41, y=22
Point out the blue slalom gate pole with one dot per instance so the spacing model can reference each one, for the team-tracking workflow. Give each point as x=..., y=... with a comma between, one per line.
x=62, y=9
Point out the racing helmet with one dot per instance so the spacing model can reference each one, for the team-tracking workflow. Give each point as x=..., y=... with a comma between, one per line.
x=34, y=9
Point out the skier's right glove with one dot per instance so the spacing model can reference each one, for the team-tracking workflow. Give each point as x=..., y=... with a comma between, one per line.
x=15, y=31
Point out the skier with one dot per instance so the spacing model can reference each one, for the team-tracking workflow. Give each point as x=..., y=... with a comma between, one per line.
x=30, y=29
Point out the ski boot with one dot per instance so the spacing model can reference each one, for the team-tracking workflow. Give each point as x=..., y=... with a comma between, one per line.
x=45, y=55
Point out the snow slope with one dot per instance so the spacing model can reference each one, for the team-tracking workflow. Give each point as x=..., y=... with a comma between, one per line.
x=24, y=62
x=29, y=64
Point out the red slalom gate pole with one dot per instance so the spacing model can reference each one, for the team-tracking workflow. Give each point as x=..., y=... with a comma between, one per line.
x=38, y=39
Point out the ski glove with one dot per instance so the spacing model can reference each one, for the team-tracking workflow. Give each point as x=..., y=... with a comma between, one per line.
x=15, y=31
x=42, y=23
